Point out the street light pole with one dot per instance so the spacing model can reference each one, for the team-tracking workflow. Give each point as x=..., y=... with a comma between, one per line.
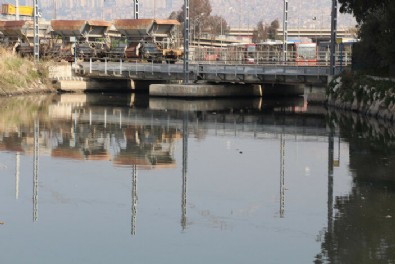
x=285, y=30
x=186, y=42
x=17, y=9
x=36, y=32
x=333, y=37
x=136, y=9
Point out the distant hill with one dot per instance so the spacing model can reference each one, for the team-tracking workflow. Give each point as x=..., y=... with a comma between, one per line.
x=247, y=13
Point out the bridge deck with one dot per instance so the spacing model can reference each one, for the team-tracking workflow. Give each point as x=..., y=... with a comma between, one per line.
x=211, y=72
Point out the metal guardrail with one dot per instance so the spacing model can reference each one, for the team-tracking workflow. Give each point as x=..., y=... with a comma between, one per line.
x=219, y=70
x=214, y=71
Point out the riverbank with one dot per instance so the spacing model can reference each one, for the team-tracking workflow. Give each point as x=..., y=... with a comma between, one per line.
x=22, y=75
x=368, y=95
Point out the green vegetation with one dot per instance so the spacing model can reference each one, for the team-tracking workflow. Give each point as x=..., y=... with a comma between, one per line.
x=375, y=53
x=201, y=19
x=264, y=32
x=18, y=75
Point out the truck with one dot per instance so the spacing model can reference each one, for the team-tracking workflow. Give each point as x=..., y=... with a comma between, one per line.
x=151, y=40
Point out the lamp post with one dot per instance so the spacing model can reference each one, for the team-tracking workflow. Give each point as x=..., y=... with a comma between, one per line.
x=315, y=28
x=285, y=30
x=17, y=9
x=186, y=42
x=36, y=32
x=333, y=37
x=136, y=9
x=197, y=21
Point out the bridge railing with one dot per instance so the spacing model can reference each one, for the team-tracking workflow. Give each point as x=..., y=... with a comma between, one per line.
x=214, y=56
x=212, y=68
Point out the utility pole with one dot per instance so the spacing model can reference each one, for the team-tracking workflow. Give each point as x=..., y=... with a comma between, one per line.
x=36, y=31
x=186, y=42
x=285, y=30
x=333, y=37
x=16, y=9
x=136, y=9
x=54, y=9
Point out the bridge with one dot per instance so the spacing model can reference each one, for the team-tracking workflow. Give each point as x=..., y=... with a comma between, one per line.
x=206, y=71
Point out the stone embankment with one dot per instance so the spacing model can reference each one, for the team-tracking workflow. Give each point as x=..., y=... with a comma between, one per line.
x=368, y=95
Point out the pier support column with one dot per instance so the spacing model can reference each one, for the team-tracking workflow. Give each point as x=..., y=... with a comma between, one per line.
x=204, y=90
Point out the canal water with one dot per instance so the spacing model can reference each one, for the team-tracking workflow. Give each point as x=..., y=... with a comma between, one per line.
x=127, y=179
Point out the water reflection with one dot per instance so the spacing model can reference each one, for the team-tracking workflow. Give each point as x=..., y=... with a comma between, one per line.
x=142, y=134
x=361, y=230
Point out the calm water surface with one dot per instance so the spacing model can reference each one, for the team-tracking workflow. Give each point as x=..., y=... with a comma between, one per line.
x=122, y=179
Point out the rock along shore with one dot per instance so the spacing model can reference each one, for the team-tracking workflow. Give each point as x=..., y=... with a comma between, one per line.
x=368, y=95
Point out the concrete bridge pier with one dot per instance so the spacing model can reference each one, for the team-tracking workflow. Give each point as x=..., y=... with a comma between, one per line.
x=78, y=84
x=283, y=89
x=225, y=90
x=205, y=90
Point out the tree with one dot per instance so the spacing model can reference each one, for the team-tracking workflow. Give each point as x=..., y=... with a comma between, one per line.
x=260, y=33
x=362, y=8
x=216, y=25
x=200, y=18
x=197, y=8
x=174, y=15
x=376, y=20
x=272, y=30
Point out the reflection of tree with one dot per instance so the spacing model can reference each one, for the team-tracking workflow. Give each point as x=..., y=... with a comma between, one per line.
x=363, y=227
x=365, y=219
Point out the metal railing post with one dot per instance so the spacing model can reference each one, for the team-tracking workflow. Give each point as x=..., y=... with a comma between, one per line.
x=120, y=66
x=105, y=66
x=90, y=65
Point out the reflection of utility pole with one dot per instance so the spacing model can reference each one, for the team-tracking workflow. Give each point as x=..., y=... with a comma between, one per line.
x=134, y=200
x=282, y=180
x=17, y=172
x=330, y=181
x=35, y=169
x=184, y=172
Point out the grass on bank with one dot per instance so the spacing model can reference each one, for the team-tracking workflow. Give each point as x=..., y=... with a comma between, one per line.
x=18, y=73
